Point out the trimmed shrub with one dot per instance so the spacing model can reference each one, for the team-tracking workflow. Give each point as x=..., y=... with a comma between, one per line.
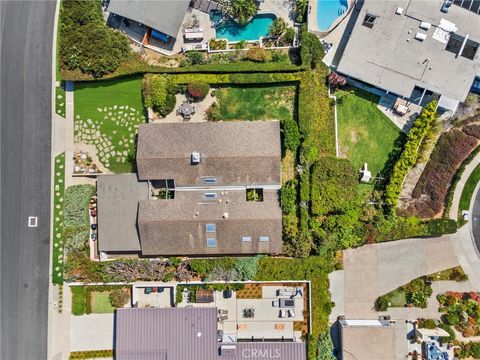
x=409, y=155
x=291, y=135
x=159, y=93
x=78, y=300
x=311, y=51
x=194, y=58
x=452, y=148
x=213, y=113
x=258, y=54
x=289, y=196
x=217, y=44
x=334, y=185
x=427, y=324
x=382, y=303
x=198, y=89
x=119, y=297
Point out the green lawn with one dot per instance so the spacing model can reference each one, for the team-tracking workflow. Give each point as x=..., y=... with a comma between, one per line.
x=365, y=133
x=60, y=100
x=256, y=103
x=467, y=191
x=58, y=203
x=101, y=303
x=107, y=115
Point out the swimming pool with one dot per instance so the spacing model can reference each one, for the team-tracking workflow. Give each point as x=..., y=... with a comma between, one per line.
x=253, y=30
x=328, y=11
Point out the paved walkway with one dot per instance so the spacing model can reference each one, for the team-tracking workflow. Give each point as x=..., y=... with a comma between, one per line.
x=373, y=270
x=460, y=185
x=92, y=332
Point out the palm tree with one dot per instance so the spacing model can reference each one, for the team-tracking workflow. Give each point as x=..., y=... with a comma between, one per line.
x=301, y=10
x=243, y=10
x=278, y=27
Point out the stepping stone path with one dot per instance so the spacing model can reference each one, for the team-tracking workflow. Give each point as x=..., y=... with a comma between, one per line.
x=111, y=146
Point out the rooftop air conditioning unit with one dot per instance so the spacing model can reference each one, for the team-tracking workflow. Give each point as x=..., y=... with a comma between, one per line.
x=420, y=36
x=425, y=25
x=195, y=157
x=399, y=11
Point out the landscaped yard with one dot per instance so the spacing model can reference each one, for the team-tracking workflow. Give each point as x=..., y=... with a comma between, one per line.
x=58, y=203
x=101, y=303
x=468, y=190
x=365, y=134
x=107, y=115
x=60, y=100
x=256, y=103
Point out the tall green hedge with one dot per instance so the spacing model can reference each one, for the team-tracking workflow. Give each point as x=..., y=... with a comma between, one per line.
x=409, y=155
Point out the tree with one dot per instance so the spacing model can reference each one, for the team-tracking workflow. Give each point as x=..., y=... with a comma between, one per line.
x=278, y=27
x=311, y=51
x=159, y=93
x=119, y=297
x=302, y=6
x=242, y=10
x=325, y=347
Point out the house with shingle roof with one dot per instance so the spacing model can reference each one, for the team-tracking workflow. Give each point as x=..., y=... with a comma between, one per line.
x=201, y=189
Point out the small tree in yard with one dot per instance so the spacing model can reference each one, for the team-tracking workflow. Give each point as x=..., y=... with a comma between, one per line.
x=198, y=89
x=159, y=93
x=336, y=80
x=119, y=297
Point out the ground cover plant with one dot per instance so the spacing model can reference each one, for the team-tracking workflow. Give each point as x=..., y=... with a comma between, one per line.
x=58, y=224
x=452, y=148
x=467, y=192
x=76, y=220
x=87, y=44
x=60, y=100
x=107, y=115
x=365, y=134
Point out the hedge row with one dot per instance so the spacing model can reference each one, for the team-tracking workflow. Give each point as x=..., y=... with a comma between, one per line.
x=136, y=66
x=92, y=354
x=238, y=78
x=409, y=155
x=452, y=148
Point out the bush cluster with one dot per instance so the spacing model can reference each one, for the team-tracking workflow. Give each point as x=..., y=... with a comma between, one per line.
x=334, y=184
x=159, y=93
x=258, y=54
x=218, y=44
x=87, y=43
x=225, y=269
x=452, y=148
x=291, y=134
x=409, y=155
x=198, y=89
x=91, y=354
x=311, y=50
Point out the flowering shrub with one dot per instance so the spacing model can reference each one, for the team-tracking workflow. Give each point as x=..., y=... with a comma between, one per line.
x=336, y=80
x=198, y=89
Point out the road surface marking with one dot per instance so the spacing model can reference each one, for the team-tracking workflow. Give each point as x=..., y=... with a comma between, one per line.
x=32, y=221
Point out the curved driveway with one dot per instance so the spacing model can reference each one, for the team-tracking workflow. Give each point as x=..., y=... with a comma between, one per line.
x=26, y=32
x=476, y=220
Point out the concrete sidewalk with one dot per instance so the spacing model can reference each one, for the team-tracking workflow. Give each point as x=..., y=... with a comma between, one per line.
x=453, y=214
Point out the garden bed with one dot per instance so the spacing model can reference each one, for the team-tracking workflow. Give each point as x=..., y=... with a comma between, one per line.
x=60, y=100
x=58, y=223
x=99, y=299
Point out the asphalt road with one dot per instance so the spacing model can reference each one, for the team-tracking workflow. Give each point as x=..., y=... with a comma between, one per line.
x=476, y=220
x=25, y=70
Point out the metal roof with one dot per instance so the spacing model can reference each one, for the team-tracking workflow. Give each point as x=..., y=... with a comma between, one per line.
x=166, y=334
x=163, y=15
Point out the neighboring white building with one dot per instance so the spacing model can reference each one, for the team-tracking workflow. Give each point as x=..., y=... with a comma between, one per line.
x=416, y=49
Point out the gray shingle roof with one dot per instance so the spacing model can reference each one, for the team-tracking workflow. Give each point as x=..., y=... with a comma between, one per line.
x=118, y=197
x=177, y=227
x=236, y=153
x=162, y=15
x=171, y=334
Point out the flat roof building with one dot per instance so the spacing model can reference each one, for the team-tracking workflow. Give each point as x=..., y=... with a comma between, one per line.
x=202, y=189
x=367, y=340
x=410, y=47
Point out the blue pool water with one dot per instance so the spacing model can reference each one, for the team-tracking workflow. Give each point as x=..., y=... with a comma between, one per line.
x=253, y=30
x=328, y=11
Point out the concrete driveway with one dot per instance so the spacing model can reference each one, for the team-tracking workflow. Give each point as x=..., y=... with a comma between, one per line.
x=373, y=270
x=92, y=332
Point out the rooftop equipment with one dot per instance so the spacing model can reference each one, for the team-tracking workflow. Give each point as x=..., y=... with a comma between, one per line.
x=425, y=25
x=420, y=36
x=195, y=157
x=399, y=11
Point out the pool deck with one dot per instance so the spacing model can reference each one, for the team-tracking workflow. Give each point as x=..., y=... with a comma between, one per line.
x=312, y=22
x=280, y=8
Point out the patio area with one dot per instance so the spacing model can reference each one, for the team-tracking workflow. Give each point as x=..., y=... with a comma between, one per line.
x=188, y=111
x=401, y=112
x=277, y=314
x=148, y=296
